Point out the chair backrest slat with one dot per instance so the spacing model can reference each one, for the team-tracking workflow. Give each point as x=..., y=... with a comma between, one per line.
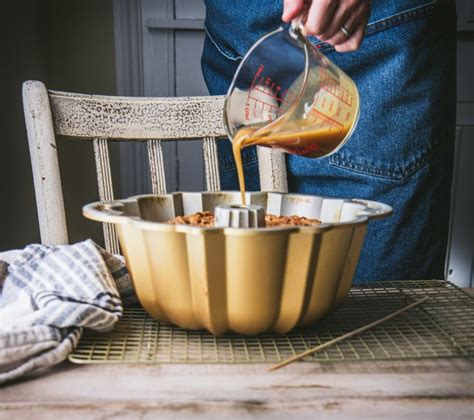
x=131, y=118
x=211, y=164
x=157, y=167
x=106, y=190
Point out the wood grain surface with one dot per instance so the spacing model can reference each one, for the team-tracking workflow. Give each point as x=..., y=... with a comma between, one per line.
x=429, y=389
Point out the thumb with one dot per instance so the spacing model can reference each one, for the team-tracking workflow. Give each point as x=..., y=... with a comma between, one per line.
x=291, y=9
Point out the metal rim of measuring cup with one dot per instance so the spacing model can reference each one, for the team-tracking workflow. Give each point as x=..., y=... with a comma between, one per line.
x=296, y=33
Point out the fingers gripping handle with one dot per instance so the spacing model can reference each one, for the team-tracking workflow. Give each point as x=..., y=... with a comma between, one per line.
x=297, y=24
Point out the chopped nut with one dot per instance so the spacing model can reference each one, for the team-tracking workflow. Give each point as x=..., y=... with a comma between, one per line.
x=206, y=219
x=277, y=221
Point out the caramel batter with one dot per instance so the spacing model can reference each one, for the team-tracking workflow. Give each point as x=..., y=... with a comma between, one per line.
x=299, y=137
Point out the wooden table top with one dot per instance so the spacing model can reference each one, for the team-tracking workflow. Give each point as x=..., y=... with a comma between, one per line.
x=427, y=389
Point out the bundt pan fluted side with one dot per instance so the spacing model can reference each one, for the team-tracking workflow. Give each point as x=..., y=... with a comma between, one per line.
x=234, y=279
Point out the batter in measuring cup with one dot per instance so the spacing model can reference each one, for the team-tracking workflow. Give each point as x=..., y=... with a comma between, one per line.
x=299, y=138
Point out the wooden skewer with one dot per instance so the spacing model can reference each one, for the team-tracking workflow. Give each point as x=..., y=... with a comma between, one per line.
x=345, y=336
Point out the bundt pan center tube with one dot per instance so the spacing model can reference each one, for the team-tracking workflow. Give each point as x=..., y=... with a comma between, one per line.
x=247, y=280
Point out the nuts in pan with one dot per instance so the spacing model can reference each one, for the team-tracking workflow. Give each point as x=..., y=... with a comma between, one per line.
x=206, y=219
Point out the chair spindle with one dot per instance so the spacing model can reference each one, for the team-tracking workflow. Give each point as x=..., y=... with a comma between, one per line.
x=211, y=164
x=106, y=191
x=157, y=166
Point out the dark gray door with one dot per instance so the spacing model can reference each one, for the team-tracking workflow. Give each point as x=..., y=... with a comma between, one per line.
x=460, y=261
x=158, y=49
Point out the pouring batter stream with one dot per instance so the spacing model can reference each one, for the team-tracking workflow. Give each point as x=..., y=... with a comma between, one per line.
x=299, y=137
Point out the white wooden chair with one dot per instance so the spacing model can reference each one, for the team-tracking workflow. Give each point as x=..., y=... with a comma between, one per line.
x=101, y=119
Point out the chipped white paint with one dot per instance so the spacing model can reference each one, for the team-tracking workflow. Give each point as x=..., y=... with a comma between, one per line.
x=132, y=118
x=113, y=118
x=272, y=170
x=106, y=190
x=211, y=163
x=157, y=167
x=44, y=162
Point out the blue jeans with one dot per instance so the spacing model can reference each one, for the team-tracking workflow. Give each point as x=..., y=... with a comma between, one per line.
x=401, y=151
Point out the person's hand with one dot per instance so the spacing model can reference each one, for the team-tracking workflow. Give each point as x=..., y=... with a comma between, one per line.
x=340, y=23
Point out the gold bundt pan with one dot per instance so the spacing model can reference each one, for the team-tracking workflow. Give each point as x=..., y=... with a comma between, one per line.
x=234, y=279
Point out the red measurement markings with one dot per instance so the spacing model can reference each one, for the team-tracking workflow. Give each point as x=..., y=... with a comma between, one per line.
x=257, y=73
x=338, y=92
x=322, y=103
x=330, y=85
x=260, y=106
x=269, y=90
x=323, y=120
x=313, y=147
x=266, y=95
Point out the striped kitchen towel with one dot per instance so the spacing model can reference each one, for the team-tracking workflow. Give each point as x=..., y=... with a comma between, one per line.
x=49, y=294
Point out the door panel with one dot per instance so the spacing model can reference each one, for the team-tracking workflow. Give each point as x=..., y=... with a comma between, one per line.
x=189, y=82
x=166, y=38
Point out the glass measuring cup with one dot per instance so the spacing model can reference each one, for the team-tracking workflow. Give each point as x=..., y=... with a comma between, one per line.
x=286, y=94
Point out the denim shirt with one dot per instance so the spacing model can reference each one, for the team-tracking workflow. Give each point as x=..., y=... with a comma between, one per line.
x=401, y=150
x=234, y=26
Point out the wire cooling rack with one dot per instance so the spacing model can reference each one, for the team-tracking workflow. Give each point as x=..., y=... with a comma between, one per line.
x=443, y=326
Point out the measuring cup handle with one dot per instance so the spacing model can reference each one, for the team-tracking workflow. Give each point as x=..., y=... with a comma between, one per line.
x=297, y=24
